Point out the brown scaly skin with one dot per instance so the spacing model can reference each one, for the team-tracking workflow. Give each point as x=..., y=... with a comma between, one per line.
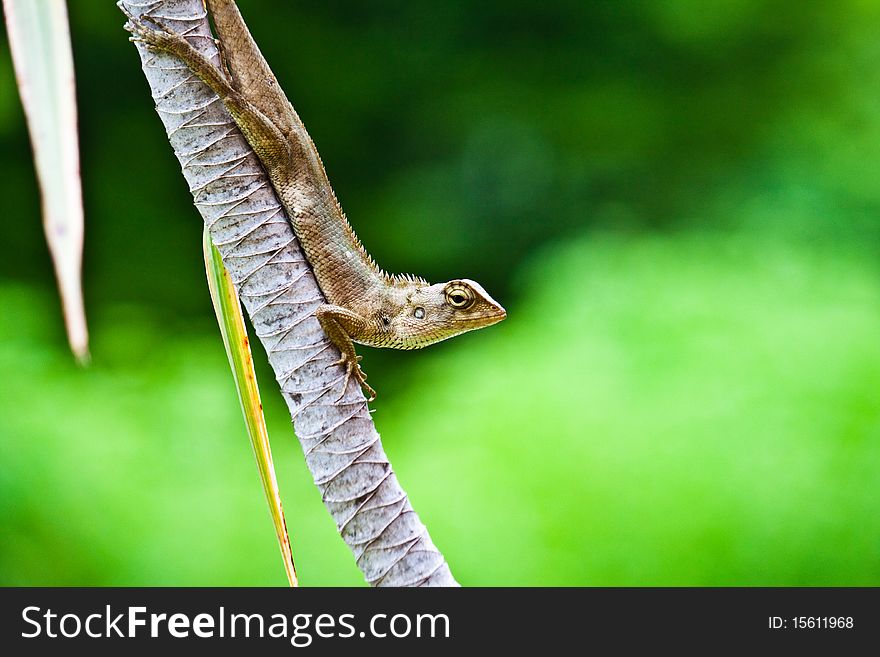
x=364, y=304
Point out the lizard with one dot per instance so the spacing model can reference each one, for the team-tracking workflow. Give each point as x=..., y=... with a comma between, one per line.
x=364, y=304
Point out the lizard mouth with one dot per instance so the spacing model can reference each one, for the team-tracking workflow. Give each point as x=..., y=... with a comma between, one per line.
x=488, y=320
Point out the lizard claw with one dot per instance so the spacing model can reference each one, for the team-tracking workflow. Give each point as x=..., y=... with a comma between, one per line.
x=353, y=369
x=156, y=35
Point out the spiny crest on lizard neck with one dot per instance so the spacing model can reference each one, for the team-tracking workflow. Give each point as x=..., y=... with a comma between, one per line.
x=395, y=280
x=401, y=280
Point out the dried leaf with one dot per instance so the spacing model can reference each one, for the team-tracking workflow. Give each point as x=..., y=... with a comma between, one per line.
x=39, y=38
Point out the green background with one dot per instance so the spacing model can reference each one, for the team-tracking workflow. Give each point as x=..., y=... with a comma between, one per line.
x=677, y=202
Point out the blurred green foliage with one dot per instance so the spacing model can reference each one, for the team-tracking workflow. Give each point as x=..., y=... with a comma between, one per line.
x=675, y=201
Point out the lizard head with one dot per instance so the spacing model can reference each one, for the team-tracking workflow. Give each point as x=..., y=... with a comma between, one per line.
x=432, y=313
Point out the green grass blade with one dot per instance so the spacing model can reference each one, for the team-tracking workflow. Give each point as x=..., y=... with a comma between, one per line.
x=39, y=39
x=234, y=332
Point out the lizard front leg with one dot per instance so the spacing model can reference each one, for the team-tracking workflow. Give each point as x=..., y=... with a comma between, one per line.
x=340, y=324
x=267, y=140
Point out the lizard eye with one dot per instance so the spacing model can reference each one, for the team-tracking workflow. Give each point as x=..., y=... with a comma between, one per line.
x=459, y=296
x=419, y=313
